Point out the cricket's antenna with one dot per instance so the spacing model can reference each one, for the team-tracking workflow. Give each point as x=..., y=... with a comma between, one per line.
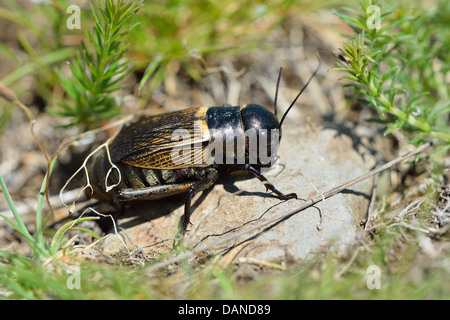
x=299, y=94
x=276, y=91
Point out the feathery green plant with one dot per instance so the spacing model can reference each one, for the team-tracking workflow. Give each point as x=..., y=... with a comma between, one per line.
x=401, y=67
x=99, y=67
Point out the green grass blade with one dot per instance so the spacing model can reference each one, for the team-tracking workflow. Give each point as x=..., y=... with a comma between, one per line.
x=39, y=227
x=47, y=60
x=60, y=233
x=156, y=62
x=19, y=226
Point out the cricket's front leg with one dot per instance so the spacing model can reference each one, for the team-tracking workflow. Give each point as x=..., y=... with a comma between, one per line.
x=269, y=186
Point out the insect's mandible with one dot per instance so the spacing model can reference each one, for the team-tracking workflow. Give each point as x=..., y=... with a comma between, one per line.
x=185, y=152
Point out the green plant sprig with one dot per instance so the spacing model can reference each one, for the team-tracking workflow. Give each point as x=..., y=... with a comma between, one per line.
x=408, y=91
x=99, y=66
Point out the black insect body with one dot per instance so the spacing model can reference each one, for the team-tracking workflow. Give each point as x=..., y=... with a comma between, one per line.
x=185, y=152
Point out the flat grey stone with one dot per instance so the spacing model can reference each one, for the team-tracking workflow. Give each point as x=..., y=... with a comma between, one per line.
x=320, y=157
